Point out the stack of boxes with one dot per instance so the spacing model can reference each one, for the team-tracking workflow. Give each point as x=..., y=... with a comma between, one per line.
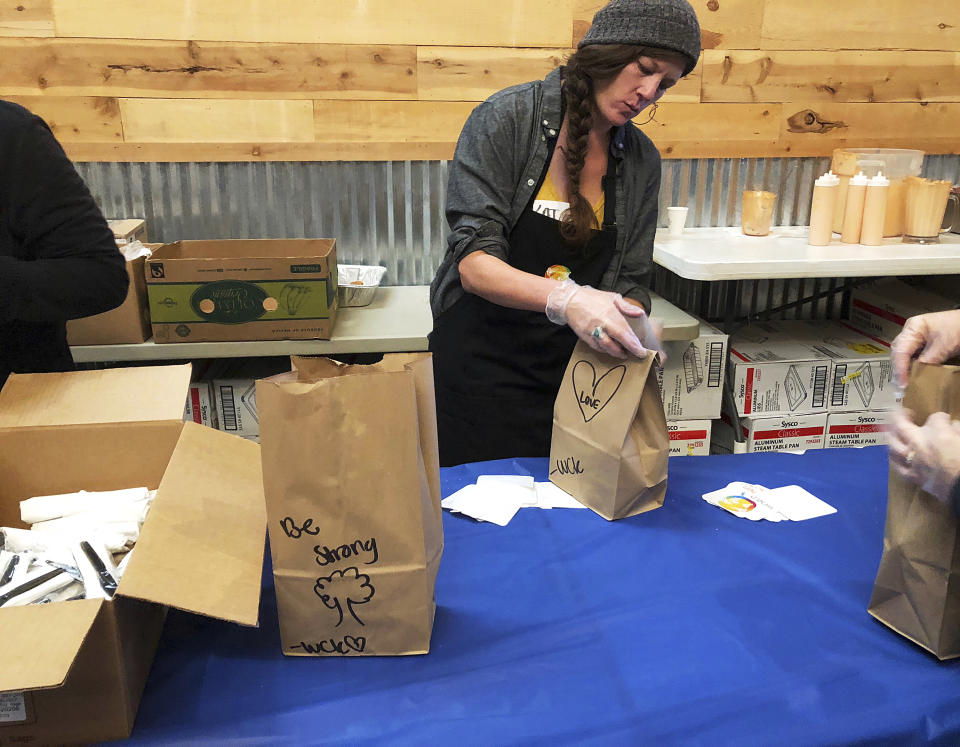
x=691, y=385
x=779, y=391
x=881, y=308
x=820, y=384
x=808, y=385
x=223, y=394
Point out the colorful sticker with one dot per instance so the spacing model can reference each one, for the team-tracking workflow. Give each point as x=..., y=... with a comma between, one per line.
x=557, y=272
x=737, y=504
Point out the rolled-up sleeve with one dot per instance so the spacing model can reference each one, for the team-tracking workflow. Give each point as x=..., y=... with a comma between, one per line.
x=482, y=182
x=63, y=262
x=482, y=187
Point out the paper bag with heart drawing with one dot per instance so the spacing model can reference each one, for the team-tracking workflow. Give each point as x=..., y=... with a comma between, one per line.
x=352, y=482
x=917, y=589
x=609, y=446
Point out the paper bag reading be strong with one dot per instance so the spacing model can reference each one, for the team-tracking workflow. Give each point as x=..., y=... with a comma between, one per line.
x=352, y=484
x=917, y=590
x=609, y=446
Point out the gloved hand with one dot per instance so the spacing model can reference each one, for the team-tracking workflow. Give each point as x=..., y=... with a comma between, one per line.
x=600, y=318
x=935, y=336
x=928, y=455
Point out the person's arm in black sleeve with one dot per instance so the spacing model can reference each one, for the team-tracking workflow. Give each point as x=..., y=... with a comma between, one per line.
x=65, y=262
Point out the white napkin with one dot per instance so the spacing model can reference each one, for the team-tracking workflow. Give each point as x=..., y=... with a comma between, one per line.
x=491, y=504
x=756, y=502
x=519, y=488
x=131, y=250
x=550, y=496
x=497, y=498
x=47, y=507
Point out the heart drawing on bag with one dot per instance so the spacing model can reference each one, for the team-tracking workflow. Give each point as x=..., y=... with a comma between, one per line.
x=592, y=393
x=357, y=644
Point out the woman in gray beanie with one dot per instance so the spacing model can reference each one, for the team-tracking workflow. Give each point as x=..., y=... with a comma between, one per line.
x=552, y=205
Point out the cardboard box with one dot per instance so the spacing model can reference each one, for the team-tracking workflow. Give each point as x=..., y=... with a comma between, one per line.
x=880, y=309
x=689, y=437
x=774, y=373
x=862, y=375
x=947, y=286
x=201, y=406
x=864, y=428
x=780, y=433
x=243, y=289
x=129, y=229
x=75, y=671
x=860, y=370
x=691, y=380
x=128, y=323
x=235, y=392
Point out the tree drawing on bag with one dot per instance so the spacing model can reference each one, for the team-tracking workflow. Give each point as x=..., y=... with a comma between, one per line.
x=347, y=587
x=594, y=393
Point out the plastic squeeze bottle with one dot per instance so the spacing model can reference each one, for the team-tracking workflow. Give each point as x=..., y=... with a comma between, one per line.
x=874, y=210
x=821, y=209
x=853, y=214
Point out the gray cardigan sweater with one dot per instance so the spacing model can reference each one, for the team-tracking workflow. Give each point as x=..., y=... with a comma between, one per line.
x=499, y=158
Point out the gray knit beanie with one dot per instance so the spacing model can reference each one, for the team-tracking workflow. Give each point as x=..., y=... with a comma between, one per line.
x=667, y=24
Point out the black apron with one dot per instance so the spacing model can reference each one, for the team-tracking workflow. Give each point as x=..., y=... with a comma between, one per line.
x=497, y=370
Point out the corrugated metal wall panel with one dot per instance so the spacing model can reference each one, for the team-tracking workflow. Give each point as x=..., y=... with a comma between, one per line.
x=391, y=213
x=388, y=213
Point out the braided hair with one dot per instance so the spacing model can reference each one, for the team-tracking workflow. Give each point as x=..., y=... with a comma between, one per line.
x=590, y=66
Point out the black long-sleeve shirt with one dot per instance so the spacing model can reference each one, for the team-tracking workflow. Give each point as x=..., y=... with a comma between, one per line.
x=58, y=258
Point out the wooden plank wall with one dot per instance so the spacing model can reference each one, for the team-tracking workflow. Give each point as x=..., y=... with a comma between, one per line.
x=241, y=80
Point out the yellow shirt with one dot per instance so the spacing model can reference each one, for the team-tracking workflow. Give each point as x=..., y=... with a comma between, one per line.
x=549, y=193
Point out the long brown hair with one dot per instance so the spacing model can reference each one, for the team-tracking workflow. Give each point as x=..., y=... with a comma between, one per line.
x=590, y=66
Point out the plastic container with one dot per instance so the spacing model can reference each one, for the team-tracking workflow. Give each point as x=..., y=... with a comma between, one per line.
x=895, y=163
x=357, y=284
x=874, y=210
x=853, y=210
x=821, y=209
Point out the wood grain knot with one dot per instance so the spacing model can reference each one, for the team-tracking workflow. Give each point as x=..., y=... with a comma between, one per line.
x=809, y=121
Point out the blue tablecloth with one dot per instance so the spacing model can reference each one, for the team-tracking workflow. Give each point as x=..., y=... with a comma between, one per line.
x=685, y=624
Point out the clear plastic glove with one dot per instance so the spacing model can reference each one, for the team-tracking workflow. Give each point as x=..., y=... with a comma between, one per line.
x=936, y=337
x=599, y=318
x=928, y=455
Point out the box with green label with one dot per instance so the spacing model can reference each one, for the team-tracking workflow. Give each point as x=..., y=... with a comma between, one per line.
x=243, y=289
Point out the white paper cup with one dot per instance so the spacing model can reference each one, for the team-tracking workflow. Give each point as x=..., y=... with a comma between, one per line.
x=676, y=219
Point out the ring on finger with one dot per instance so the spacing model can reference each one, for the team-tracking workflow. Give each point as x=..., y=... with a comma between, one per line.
x=598, y=332
x=908, y=460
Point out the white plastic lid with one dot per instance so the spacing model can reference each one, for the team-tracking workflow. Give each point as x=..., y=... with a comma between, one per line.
x=860, y=180
x=828, y=180
x=879, y=181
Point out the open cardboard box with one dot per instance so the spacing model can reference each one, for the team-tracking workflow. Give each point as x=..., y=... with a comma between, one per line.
x=243, y=289
x=126, y=230
x=75, y=671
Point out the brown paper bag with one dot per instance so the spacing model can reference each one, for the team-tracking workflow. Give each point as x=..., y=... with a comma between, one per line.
x=352, y=483
x=609, y=446
x=917, y=590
